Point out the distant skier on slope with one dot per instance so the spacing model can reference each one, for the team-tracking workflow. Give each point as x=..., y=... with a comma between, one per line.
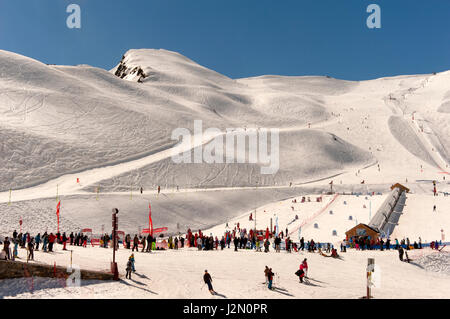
x=208, y=280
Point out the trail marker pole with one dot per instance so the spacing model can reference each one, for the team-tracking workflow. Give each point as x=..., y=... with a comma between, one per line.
x=115, y=224
x=57, y=190
x=9, y=202
x=370, y=269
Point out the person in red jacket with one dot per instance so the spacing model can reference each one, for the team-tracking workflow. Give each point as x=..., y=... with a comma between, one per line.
x=303, y=269
x=51, y=241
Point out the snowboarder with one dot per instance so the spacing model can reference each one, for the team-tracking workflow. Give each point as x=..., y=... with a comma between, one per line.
x=208, y=280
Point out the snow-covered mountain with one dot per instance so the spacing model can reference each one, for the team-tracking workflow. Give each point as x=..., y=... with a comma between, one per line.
x=56, y=120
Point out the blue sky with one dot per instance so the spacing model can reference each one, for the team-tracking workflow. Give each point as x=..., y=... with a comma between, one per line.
x=239, y=38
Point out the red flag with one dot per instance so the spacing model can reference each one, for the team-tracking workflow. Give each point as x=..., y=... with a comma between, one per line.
x=150, y=222
x=57, y=213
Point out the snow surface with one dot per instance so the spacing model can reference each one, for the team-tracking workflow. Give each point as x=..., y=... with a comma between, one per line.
x=178, y=274
x=113, y=133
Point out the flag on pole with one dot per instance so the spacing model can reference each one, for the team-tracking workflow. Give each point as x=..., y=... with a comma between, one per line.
x=57, y=213
x=150, y=222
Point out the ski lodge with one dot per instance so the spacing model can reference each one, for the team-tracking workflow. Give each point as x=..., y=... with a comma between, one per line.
x=362, y=230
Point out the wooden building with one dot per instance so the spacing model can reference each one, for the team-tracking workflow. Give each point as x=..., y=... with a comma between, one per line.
x=398, y=185
x=362, y=230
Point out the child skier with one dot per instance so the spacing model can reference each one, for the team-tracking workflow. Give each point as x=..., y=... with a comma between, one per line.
x=270, y=275
x=132, y=263
x=303, y=269
x=129, y=269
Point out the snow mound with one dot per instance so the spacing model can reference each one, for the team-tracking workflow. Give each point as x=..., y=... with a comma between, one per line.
x=436, y=262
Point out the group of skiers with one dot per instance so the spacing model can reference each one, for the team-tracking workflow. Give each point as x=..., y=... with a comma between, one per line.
x=28, y=242
x=367, y=243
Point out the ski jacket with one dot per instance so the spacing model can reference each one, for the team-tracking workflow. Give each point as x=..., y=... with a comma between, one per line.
x=207, y=278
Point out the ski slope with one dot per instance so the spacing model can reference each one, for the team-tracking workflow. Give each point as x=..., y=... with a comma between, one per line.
x=178, y=274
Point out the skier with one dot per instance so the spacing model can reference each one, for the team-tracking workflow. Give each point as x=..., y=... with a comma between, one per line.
x=44, y=242
x=142, y=190
x=434, y=208
x=143, y=241
x=64, y=241
x=302, y=270
x=277, y=244
x=208, y=280
x=266, y=274
x=270, y=275
x=266, y=246
x=400, y=253
x=159, y=189
x=131, y=258
x=199, y=243
x=135, y=243
x=51, y=241
x=128, y=269
x=16, y=246
x=6, y=244
x=31, y=250
x=149, y=243
x=37, y=239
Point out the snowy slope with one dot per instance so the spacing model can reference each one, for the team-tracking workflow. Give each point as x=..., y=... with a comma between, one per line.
x=63, y=119
x=112, y=130
x=178, y=274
